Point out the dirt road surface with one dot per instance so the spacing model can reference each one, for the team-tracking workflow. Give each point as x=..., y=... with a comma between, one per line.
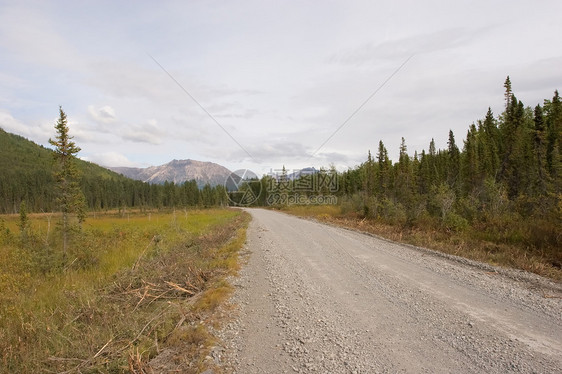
x=313, y=298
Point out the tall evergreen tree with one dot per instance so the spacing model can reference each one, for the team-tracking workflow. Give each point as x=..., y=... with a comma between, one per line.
x=508, y=92
x=434, y=172
x=404, y=177
x=470, y=161
x=489, y=145
x=70, y=197
x=553, y=110
x=512, y=136
x=369, y=180
x=383, y=170
x=539, y=152
x=453, y=163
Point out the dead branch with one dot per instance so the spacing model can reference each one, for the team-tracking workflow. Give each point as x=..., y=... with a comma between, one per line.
x=179, y=288
x=102, y=348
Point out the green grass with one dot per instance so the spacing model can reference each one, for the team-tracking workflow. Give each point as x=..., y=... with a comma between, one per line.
x=127, y=284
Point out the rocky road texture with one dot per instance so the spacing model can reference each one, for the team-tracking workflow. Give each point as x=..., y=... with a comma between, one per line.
x=313, y=298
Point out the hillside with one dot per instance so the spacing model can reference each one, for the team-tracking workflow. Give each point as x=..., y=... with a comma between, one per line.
x=17, y=155
x=26, y=170
x=178, y=171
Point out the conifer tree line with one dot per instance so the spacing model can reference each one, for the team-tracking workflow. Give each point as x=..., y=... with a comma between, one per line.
x=38, y=191
x=509, y=165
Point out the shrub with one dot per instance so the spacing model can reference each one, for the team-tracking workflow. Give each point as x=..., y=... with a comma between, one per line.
x=352, y=204
x=393, y=213
x=455, y=222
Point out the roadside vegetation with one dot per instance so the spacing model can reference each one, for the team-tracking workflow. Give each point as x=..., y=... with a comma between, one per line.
x=131, y=286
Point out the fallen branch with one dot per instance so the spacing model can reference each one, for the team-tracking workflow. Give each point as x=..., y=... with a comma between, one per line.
x=102, y=348
x=179, y=288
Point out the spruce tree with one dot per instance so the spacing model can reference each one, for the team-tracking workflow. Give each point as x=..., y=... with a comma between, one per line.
x=403, y=184
x=470, y=162
x=369, y=181
x=539, y=152
x=553, y=111
x=489, y=146
x=453, y=162
x=383, y=170
x=508, y=92
x=70, y=197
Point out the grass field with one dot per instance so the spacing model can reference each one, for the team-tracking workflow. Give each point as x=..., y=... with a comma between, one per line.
x=131, y=286
x=493, y=247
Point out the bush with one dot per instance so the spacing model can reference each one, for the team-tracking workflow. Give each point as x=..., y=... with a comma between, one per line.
x=455, y=222
x=352, y=204
x=467, y=207
x=393, y=213
x=6, y=235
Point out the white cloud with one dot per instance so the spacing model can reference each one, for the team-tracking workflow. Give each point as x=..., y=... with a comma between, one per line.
x=10, y=124
x=39, y=133
x=109, y=159
x=104, y=114
x=401, y=48
x=144, y=133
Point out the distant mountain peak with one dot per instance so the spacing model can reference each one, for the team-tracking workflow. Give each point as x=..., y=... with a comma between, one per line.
x=178, y=171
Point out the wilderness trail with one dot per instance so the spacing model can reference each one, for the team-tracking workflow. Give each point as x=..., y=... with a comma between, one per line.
x=314, y=298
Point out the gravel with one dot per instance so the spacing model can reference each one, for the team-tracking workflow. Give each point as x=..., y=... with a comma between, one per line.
x=314, y=298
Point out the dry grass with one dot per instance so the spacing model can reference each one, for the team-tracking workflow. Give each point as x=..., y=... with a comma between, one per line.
x=151, y=284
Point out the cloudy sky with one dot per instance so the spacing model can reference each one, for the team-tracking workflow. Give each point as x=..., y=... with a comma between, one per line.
x=262, y=84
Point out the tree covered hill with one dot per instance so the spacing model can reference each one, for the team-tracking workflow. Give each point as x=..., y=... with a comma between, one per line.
x=26, y=174
x=18, y=154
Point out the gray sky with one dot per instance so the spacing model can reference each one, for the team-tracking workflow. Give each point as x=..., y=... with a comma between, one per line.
x=279, y=76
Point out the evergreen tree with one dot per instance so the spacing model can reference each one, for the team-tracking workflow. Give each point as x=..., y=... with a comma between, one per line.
x=404, y=185
x=470, y=161
x=383, y=170
x=489, y=146
x=512, y=146
x=424, y=174
x=369, y=180
x=453, y=162
x=434, y=174
x=70, y=197
x=508, y=92
x=553, y=110
x=539, y=152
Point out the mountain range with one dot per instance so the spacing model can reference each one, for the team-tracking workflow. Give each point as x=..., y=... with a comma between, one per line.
x=178, y=171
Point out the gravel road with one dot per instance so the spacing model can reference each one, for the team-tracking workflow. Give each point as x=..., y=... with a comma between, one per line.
x=313, y=298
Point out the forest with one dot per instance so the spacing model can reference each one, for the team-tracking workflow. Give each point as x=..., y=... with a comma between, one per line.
x=27, y=175
x=510, y=164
